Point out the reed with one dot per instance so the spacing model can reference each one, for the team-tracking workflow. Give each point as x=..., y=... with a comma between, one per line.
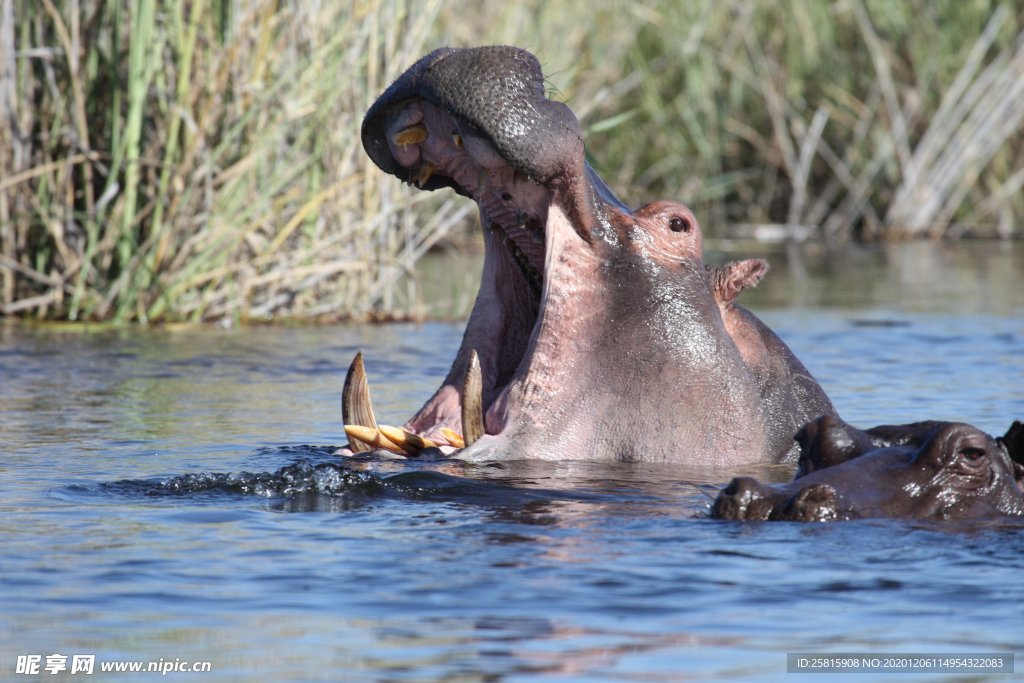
x=201, y=160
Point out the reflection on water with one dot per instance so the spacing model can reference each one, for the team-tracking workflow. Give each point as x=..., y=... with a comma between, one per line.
x=172, y=493
x=924, y=277
x=964, y=277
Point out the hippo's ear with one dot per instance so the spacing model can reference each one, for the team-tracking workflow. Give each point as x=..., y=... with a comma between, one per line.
x=805, y=439
x=1013, y=440
x=735, y=276
x=826, y=442
x=808, y=433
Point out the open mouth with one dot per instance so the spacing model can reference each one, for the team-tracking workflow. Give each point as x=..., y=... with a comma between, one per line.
x=435, y=149
x=582, y=300
x=539, y=342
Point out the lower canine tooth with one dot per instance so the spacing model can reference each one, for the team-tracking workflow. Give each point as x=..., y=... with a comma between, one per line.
x=372, y=437
x=454, y=438
x=356, y=408
x=426, y=170
x=472, y=401
x=406, y=440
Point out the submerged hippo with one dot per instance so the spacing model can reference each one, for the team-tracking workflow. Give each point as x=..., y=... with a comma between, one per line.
x=925, y=470
x=598, y=332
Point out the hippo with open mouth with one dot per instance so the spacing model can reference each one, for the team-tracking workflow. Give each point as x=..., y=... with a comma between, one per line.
x=924, y=470
x=598, y=332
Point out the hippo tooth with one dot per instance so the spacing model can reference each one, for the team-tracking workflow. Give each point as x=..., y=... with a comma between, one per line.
x=472, y=401
x=426, y=170
x=454, y=438
x=413, y=135
x=358, y=434
x=406, y=440
x=457, y=139
x=356, y=408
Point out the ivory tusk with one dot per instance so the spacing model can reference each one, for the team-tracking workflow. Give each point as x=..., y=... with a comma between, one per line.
x=472, y=401
x=356, y=408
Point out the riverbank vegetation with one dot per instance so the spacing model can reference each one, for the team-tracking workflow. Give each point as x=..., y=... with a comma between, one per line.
x=201, y=160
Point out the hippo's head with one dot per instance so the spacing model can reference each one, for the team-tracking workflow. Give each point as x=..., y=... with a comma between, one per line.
x=479, y=121
x=937, y=471
x=597, y=332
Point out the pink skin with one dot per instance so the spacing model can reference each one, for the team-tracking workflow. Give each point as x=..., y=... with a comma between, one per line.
x=536, y=347
x=600, y=332
x=502, y=315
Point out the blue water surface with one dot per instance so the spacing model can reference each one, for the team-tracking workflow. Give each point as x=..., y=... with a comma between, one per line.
x=145, y=516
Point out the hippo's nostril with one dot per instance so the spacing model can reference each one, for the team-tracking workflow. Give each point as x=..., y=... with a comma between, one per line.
x=736, y=499
x=742, y=489
x=813, y=503
x=739, y=487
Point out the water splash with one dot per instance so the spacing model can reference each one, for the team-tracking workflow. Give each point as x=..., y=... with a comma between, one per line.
x=327, y=479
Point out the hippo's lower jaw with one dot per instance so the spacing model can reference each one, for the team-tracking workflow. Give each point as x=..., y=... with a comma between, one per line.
x=515, y=362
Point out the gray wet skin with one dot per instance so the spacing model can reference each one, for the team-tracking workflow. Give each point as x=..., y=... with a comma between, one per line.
x=601, y=334
x=925, y=470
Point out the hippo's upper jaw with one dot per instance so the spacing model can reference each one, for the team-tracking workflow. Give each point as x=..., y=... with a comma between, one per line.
x=478, y=121
x=596, y=330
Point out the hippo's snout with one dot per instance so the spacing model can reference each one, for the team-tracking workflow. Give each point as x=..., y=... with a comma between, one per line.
x=812, y=503
x=745, y=498
x=495, y=91
x=742, y=499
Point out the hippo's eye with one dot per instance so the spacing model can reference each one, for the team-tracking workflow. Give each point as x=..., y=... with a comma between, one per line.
x=972, y=454
x=680, y=224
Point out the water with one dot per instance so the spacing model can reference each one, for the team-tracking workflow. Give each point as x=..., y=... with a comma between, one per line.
x=170, y=494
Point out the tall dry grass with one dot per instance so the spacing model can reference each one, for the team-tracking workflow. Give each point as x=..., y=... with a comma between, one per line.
x=848, y=119
x=201, y=160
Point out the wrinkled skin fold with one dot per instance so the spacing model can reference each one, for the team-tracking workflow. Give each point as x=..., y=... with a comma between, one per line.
x=925, y=470
x=598, y=330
